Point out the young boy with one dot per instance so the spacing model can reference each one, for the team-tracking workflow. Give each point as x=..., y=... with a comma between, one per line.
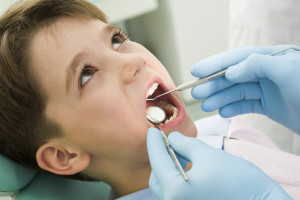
x=73, y=94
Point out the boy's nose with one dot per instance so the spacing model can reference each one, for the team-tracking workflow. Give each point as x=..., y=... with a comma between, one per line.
x=130, y=68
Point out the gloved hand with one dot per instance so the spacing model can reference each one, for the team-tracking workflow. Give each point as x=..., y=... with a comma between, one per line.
x=215, y=174
x=253, y=83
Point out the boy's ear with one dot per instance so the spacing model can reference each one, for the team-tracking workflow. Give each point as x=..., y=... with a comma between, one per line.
x=62, y=160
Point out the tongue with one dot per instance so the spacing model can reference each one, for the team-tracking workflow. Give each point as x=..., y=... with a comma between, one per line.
x=150, y=103
x=168, y=108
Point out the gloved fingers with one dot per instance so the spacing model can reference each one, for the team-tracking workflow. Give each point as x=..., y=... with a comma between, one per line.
x=254, y=66
x=238, y=92
x=294, y=52
x=241, y=107
x=283, y=47
x=261, y=66
x=187, y=147
x=206, y=89
x=154, y=185
x=161, y=162
x=226, y=59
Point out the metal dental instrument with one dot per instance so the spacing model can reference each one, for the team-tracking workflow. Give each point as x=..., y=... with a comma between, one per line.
x=190, y=84
x=199, y=81
x=157, y=115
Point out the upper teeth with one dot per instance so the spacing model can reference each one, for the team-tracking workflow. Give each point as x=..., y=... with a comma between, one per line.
x=152, y=89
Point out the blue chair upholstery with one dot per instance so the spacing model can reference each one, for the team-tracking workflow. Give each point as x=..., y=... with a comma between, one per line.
x=13, y=176
x=27, y=184
x=50, y=187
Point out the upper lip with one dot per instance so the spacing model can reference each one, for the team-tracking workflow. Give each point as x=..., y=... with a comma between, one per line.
x=150, y=83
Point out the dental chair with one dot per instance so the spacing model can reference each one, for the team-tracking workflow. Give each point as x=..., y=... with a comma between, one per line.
x=26, y=184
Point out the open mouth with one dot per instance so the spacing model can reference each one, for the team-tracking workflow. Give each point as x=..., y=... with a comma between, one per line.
x=166, y=102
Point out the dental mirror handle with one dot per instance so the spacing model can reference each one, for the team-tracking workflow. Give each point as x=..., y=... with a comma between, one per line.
x=157, y=115
x=172, y=153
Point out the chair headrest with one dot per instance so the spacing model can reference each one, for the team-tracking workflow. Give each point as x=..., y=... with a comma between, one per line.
x=13, y=175
x=28, y=184
x=48, y=186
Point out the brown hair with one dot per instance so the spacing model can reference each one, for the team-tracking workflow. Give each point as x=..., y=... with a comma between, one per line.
x=23, y=124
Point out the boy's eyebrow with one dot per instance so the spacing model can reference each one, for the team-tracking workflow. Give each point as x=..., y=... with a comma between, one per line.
x=110, y=28
x=77, y=59
x=72, y=68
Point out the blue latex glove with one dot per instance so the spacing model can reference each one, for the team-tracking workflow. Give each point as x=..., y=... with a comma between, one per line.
x=255, y=83
x=215, y=174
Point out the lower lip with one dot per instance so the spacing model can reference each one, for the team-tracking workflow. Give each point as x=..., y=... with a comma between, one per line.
x=179, y=118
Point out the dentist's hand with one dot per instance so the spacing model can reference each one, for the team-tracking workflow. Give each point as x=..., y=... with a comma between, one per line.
x=254, y=83
x=215, y=174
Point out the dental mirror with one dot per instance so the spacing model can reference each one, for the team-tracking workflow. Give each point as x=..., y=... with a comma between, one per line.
x=155, y=114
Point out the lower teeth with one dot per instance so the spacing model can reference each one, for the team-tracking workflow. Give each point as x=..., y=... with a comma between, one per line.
x=169, y=109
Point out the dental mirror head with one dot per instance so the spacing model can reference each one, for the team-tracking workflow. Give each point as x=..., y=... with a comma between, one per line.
x=155, y=114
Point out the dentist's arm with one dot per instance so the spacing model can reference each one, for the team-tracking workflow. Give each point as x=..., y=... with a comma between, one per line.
x=254, y=83
x=215, y=174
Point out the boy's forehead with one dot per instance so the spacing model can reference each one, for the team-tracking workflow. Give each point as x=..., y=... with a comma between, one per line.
x=57, y=44
x=59, y=33
x=63, y=25
x=54, y=44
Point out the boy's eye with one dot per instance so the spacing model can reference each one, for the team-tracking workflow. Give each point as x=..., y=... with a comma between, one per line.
x=117, y=39
x=86, y=73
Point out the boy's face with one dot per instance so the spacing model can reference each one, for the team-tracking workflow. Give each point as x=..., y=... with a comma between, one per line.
x=96, y=84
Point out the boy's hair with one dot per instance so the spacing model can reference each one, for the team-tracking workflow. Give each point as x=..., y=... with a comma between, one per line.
x=23, y=124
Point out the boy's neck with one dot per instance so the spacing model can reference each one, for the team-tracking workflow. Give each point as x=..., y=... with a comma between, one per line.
x=131, y=181
x=136, y=181
x=123, y=178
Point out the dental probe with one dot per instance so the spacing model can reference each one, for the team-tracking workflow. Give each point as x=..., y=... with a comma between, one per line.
x=157, y=115
x=199, y=81
x=190, y=84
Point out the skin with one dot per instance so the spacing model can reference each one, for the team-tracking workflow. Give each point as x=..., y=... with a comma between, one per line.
x=104, y=123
